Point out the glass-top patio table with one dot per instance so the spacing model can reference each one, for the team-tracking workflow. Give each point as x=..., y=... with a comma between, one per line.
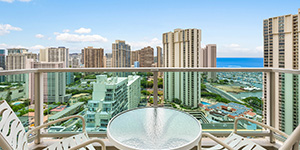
x=154, y=128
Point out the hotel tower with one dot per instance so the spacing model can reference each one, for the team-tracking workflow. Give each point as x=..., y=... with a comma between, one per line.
x=281, y=50
x=182, y=49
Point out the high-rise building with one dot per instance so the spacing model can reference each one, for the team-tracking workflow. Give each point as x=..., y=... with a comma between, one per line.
x=121, y=54
x=136, y=64
x=182, y=49
x=54, y=84
x=52, y=54
x=209, y=59
x=82, y=56
x=281, y=50
x=108, y=60
x=155, y=59
x=159, y=57
x=209, y=56
x=134, y=57
x=93, y=57
x=19, y=61
x=75, y=60
x=145, y=57
x=2, y=63
x=16, y=51
x=2, y=58
x=70, y=78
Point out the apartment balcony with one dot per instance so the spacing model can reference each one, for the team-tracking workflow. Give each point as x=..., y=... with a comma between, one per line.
x=223, y=98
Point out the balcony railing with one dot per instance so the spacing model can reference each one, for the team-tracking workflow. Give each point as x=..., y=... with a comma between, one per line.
x=269, y=114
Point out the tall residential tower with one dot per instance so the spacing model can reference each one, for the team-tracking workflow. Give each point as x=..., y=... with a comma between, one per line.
x=2, y=58
x=93, y=57
x=281, y=50
x=209, y=59
x=159, y=56
x=144, y=56
x=52, y=54
x=182, y=49
x=121, y=54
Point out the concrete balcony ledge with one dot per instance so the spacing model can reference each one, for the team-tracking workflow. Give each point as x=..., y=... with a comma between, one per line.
x=264, y=142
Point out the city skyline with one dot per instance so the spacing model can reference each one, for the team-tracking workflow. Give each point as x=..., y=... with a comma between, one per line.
x=28, y=27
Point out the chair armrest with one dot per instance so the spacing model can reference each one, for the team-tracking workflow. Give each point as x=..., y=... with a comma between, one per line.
x=56, y=121
x=258, y=123
x=90, y=142
x=216, y=140
x=293, y=141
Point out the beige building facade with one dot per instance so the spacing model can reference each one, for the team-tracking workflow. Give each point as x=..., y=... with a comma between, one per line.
x=134, y=57
x=209, y=59
x=93, y=57
x=182, y=49
x=52, y=54
x=144, y=56
x=121, y=54
x=281, y=50
x=54, y=84
x=108, y=60
x=159, y=56
x=19, y=61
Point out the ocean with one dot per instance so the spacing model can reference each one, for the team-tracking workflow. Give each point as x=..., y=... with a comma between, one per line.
x=240, y=62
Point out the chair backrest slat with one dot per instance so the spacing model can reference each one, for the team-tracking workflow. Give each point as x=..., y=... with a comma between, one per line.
x=12, y=131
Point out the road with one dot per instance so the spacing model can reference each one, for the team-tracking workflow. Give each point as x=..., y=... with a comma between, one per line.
x=224, y=94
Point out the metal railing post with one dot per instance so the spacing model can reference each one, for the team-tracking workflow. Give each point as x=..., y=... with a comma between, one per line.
x=155, y=87
x=272, y=85
x=38, y=104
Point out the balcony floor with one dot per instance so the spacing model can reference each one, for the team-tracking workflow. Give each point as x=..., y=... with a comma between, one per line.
x=205, y=142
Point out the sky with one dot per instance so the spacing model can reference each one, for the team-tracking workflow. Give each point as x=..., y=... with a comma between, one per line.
x=234, y=25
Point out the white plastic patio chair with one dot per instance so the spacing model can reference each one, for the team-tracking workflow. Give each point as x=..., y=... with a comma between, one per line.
x=237, y=142
x=14, y=137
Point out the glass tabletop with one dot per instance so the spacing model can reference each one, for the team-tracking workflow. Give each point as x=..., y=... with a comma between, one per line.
x=154, y=128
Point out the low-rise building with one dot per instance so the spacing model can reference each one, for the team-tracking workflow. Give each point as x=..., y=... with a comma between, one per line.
x=75, y=98
x=134, y=91
x=110, y=97
x=67, y=111
x=222, y=112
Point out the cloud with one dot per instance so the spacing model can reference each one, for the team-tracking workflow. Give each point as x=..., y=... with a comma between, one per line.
x=259, y=48
x=236, y=47
x=10, y=1
x=6, y=28
x=36, y=47
x=83, y=30
x=140, y=44
x=5, y=46
x=40, y=36
x=236, y=50
x=66, y=30
x=75, y=38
